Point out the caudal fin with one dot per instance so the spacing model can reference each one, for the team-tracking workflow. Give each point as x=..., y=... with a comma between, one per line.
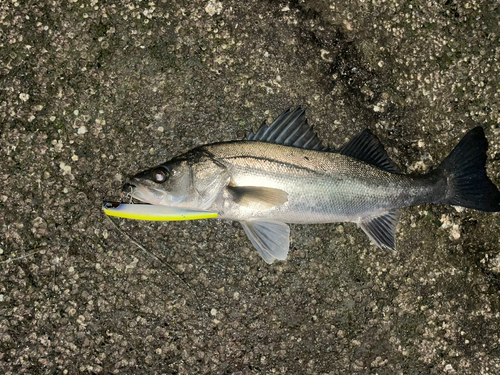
x=468, y=185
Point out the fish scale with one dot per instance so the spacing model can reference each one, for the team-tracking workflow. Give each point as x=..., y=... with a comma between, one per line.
x=322, y=187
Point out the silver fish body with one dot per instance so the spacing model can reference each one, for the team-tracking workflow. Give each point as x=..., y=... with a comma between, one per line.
x=282, y=174
x=321, y=187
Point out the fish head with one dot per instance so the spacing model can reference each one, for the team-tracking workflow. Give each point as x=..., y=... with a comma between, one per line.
x=167, y=184
x=189, y=181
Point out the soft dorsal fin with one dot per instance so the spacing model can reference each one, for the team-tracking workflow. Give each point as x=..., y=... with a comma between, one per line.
x=367, y=147
x=289, y=129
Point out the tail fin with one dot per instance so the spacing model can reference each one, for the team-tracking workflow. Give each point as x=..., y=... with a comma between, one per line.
x=468, y=185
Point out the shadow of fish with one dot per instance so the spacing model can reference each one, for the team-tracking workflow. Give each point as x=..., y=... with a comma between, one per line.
x=283, y=174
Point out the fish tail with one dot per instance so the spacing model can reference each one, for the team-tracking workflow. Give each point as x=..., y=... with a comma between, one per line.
x=467, y=182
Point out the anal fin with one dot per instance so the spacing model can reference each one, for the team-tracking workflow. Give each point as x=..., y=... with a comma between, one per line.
x=271, y=238
x=382, y=229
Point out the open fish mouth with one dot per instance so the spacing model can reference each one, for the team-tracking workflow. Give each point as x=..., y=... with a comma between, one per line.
x=144, y=194
x=153, y=205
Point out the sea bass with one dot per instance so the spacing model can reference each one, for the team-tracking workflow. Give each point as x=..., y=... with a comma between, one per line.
x=283, y=174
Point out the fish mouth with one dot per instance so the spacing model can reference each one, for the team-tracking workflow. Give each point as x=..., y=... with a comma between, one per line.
x=128, y=188
x=145, y=194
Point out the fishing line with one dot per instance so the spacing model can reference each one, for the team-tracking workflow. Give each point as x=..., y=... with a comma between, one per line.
x=141, y=247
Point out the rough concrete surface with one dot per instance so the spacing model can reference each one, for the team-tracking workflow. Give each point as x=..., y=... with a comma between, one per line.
x=94, y=91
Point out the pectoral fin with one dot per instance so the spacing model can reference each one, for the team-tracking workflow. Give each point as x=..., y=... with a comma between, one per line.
x=270, y=238
x=382, y=229
x=257, y=196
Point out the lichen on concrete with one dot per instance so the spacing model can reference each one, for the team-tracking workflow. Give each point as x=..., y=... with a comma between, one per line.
x=92, y=92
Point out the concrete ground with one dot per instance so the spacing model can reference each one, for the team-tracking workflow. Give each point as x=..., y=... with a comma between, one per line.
x=94, y=91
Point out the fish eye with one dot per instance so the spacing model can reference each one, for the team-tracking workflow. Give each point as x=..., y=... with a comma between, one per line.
x=160, y=175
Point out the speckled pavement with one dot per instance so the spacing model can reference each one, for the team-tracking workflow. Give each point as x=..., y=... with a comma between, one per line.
x=92, y=92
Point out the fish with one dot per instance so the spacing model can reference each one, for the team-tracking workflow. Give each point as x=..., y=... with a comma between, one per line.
x=283, y=174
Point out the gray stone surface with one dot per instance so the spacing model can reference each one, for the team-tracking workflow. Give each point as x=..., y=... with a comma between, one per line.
x=94, y=91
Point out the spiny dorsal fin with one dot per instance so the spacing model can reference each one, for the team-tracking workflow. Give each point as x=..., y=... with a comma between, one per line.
x=367, y=147
x=382, y=229
x=289, y=129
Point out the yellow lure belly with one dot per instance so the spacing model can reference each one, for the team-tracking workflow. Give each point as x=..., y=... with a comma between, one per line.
x=154, y=213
